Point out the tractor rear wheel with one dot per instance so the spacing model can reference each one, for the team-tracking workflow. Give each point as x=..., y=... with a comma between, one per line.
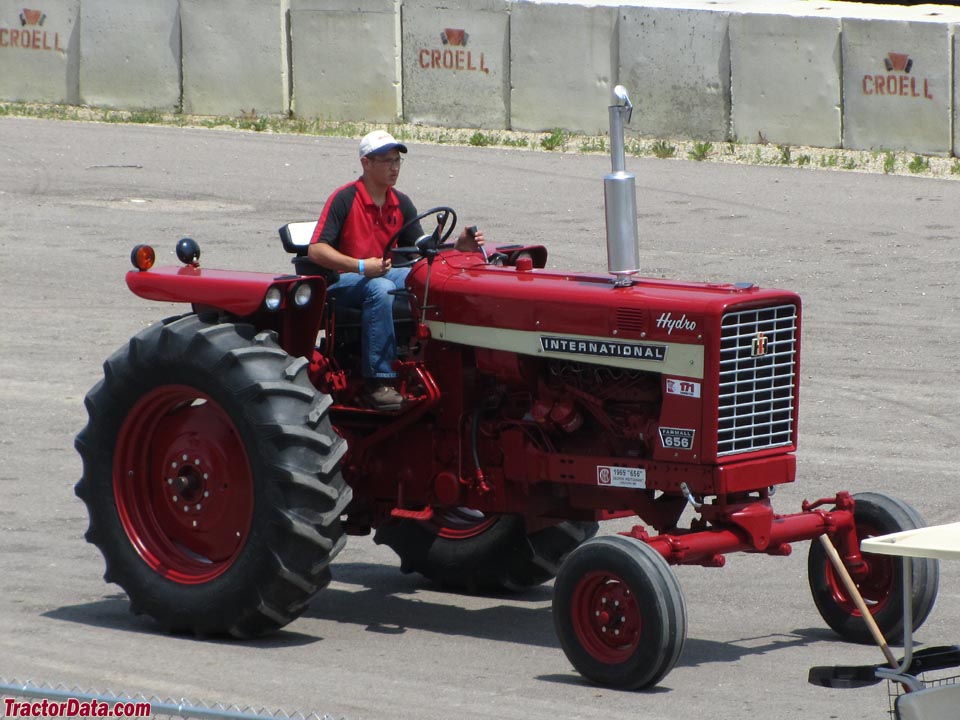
x=211, y=478
x=463, y=549
x=882, y=588
x=619, y=612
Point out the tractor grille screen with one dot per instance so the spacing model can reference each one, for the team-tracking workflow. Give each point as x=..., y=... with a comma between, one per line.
x=757, y=379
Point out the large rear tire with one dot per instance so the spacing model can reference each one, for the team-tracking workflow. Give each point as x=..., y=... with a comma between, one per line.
x=882, y=588
x=462, y=549
x=619, y=613
x=211, y=477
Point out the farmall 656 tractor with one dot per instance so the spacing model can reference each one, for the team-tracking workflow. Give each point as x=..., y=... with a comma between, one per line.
x=228, y=453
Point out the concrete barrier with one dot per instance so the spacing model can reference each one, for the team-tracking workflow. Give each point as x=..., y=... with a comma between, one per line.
x=39, y=51
x=130, y=54
x=956, y=91
x=897, y=85
x=235, y=56
x=456, y=63
x=785, y=79
x=346, y=59
x=563, y=66
x=676, y=64
x=696, y=69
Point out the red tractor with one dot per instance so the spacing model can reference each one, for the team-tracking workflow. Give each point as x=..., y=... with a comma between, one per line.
x=228, y=453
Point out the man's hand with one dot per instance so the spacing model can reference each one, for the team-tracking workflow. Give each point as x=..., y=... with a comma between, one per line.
x=376, y=266
x=470, y=240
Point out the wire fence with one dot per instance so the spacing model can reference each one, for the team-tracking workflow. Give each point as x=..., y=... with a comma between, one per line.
x=65, y=702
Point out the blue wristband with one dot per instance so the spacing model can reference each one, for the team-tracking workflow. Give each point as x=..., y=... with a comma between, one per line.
x=360, y=266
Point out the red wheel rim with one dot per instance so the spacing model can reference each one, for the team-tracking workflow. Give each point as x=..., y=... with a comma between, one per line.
x=462, y=523
x=606, y=617
x=876, y=586
x=183, y=484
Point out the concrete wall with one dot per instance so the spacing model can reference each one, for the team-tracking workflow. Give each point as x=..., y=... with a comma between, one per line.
x=346, y=59
x=580, y=46
x=456, y=62
x=676, y=64
x=785, y=79
x=787, y=71
x=234, y=56
x=130, y=54
x=40, y=51
x=897, y=85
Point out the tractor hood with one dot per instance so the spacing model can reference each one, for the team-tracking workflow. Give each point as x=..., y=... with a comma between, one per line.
x=651, y=324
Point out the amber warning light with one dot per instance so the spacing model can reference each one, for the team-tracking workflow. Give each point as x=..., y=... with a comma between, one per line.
x=143, y=257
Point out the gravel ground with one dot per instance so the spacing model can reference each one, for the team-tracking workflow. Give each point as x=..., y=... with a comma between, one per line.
x=760, y=152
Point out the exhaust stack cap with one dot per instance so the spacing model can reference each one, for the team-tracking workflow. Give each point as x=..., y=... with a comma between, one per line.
x=620, y=199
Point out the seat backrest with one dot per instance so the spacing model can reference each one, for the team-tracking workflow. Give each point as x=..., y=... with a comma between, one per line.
x=296, y=236
x=942, y=701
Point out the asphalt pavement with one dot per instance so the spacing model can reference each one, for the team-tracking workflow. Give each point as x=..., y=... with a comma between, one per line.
x=874, y=258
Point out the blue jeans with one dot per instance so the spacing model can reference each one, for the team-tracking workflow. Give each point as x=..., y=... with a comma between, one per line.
x=378, y=342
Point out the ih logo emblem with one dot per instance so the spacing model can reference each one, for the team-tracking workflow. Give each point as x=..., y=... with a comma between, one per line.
x=759, y=346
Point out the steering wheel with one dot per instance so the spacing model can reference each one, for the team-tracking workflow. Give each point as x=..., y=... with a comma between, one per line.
x=446, y=222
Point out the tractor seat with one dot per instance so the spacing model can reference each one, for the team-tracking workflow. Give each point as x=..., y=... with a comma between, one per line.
x=296, y=238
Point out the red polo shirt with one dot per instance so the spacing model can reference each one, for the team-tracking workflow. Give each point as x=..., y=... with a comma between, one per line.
x=356, y=226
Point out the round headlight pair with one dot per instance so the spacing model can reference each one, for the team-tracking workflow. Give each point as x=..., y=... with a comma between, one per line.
x=301, y=297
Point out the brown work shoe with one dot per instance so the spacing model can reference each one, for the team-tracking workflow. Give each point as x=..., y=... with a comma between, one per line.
x=381, y=396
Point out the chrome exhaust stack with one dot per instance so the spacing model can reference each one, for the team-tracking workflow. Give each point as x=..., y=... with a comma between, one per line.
x=620, y=199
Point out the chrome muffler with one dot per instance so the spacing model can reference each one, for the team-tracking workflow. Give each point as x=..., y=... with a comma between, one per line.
x=620, y=199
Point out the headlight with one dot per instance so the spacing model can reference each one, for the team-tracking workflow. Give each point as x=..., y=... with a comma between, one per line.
x=274, y=299
x=302, y=295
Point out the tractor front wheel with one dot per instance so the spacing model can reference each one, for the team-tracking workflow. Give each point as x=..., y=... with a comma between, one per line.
x=463, y=549
x=882, y=586
x=211, y=478
x=619, y=613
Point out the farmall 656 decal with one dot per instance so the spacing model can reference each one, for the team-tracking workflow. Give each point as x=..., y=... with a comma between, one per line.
x=898, y=81
x=30, y=35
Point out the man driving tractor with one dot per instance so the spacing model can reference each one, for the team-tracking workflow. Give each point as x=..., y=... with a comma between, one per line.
x=354, y=230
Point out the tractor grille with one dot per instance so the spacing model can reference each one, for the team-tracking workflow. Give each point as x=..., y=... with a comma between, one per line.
x=757, y=379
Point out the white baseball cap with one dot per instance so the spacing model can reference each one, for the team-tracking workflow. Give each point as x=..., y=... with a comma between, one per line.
x=379, y=141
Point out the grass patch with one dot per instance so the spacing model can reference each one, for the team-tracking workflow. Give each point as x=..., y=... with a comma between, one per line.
x=919, y=164
x=889, y=161
x=479, y=139
x=520, y=142
x=803, y=160
x=556, y=140
x=784, y=158
x=663, y=150
x=701, y=151
x=594, y=145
